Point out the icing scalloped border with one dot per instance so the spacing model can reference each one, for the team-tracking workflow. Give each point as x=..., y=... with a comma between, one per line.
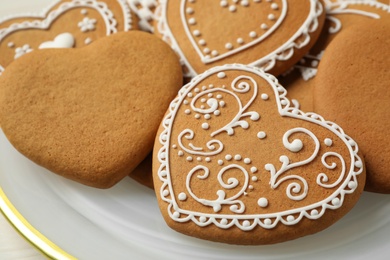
x=248, y=222
x=268, y=62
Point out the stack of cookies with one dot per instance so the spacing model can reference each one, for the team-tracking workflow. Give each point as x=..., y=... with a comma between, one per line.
x=281, y=126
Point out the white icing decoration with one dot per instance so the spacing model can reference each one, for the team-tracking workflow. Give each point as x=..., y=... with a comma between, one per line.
x=182, y=196
x=281, y=53
x=48, y=16
x=20, y=51
x=87, y=41
x=262, y=202
x=232, y=188
x=63, y=40
x=261, y=135
x=87, y=24
x=237, y=206
x=11, y=45
x=328, y=142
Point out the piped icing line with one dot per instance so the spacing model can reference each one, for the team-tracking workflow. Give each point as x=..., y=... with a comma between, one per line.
x=269, y=220
x=268, y=62
x=206, y=59
x=101, y=7
x=126, y=14
x=143, y=9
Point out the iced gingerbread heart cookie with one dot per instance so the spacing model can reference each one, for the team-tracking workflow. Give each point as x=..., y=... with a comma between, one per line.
x=90, y=114
x=272, y=35
x=64, y=24
x=340, y=15
x=235, y=163
x=353, y=91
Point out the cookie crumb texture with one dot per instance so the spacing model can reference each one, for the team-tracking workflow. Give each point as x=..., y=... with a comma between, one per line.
x=272, y=35
x=236, y=162
x=90, y=114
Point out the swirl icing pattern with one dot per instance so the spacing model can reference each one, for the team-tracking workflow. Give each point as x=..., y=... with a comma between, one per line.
x=222, y=161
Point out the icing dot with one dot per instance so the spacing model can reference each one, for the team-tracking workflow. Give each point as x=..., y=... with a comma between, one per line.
x=253, y=169
x=283, y=102
x=240, y=40
x=211, y=86
x=254, y=178
x=271, y=17
x=196, y=90
x=202, y=219
x=202, y=106
x=264, y=26
x=180, y=153
x=252, y=34
x=280, y=89
x=358, y=164
x=314, y=212
x=189, y=95
x=250, y=187
x=328, y=142
x=206, y=50
x=261, y=135
x=244, y=3
x=247, y=161
x=264, y=96
x=274, y=6
x=263, y=202
x=207, y=159
x=197, y=116
x=189, y=158
x=351, y=142
x=314, y=63
x=11, y=45
x=192, y=21
x=290, y=218
x=224, y=3
x=246, y=223
x=182, y=196
x=176, y=214
x=228, y=157
x=165, y=192
x=237, y=157
x=221, y=75
x=224, y=221
x=203, y=100
x=217, y=112
x=163, y=173
x=187, y=111
x=207, y=116
x=214, y=53
x=197, y=33
x=220, y=162
x=232, y=8
x=267, y=221
x=202, y=42
x=336, y=201
x=204, y=88
x=229, y=46
x=205, y=126
x=162, y=156
x=234, y=207
x=84, y=11
x=199, y=159
x=174, y=146
x=352, y=185
x=219, y=96
x=189, y=10
x=185, y=102
x=88, y=41
x=222, y=103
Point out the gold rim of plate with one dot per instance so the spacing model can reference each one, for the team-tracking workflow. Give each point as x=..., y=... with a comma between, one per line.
x=32, y=235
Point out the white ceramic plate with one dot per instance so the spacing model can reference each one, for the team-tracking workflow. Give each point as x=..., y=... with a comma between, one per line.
x=65, y=219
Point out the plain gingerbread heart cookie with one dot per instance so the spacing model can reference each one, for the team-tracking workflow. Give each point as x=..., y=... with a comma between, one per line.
x=352, y=89
x=272, y=34
x=90, y=114
x=64, y=24
x=234, y=162
x=340, y=15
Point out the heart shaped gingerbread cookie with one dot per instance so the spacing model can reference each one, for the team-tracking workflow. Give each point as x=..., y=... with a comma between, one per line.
x=65, y=24
x=268, y=34
x=235, y=163
x=90, y=114
x=340, y=15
